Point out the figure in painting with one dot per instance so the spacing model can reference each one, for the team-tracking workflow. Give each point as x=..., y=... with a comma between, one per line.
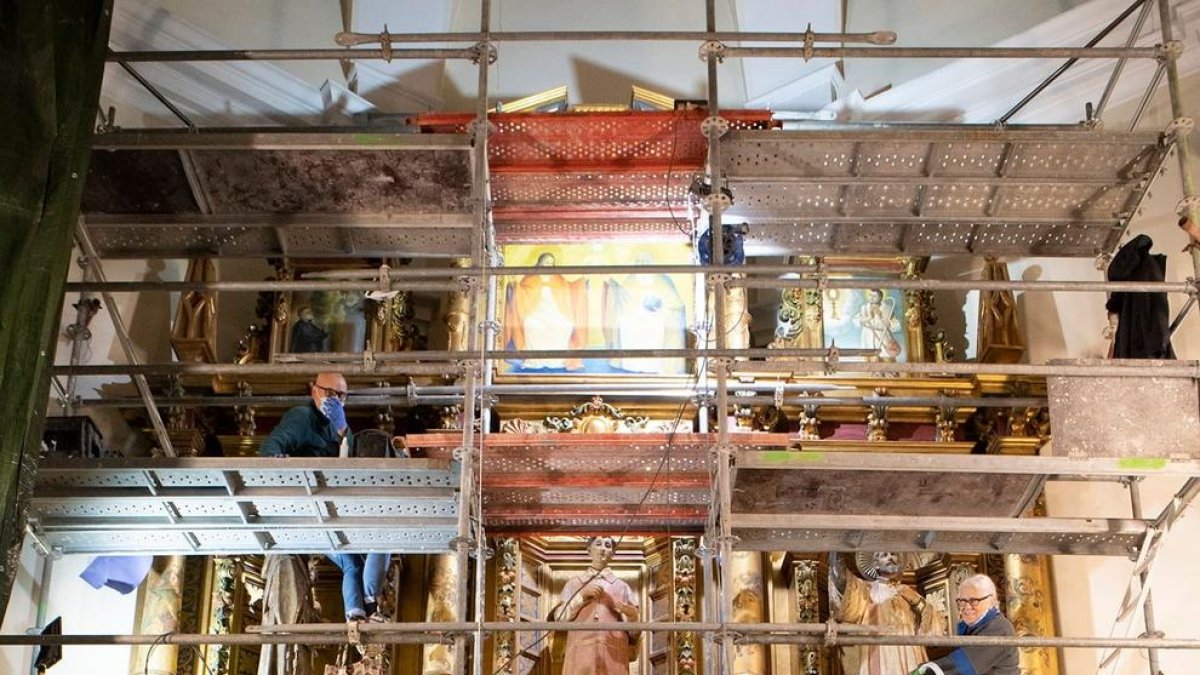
x=598, y=595
x=879, y=599
x=644, y=311
x=545, y=311
x=877, y=318
x=307, y=336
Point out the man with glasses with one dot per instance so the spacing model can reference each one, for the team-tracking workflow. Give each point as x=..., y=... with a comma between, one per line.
x=319, y=429
x=978, y=615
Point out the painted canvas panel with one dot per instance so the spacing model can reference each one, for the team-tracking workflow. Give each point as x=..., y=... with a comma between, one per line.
x=870, y=318
x=555, y=311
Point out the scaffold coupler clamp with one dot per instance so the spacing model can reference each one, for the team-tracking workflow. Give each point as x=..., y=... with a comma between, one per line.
x=1103, y=260
x=483, y=50
x=714, y=125
x=1172, y=49
x=467, y=284
x=718, y=279
x=778, y=396
x=489, y=327
x=832, y=358
x=385, y=280
x=831, y=633
x=469, y=367
x=809, y=39
x=712, y=48
x=353, y=636
x=1179, y=128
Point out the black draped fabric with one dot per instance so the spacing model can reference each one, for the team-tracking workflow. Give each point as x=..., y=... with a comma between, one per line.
x=1144, y=327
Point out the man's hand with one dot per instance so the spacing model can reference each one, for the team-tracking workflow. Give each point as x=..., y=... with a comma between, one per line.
x=913, y=597
x=332, y=408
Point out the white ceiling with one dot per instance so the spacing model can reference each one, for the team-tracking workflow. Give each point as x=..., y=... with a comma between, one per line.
x=299, y=92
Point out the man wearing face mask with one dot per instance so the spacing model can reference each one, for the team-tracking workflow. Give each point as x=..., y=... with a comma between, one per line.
x=319, y=429
x=978, y=615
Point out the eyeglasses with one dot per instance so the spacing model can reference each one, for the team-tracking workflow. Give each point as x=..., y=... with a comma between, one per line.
x=333, y=393
x=973, y=602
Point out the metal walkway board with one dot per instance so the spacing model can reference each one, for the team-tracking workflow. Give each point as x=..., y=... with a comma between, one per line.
x=895, y=190
x=251, y=505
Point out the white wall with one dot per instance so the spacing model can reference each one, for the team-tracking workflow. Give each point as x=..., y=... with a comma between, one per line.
x=84, y=610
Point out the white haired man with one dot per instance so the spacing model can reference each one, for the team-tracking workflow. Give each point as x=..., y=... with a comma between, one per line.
x=978, y=615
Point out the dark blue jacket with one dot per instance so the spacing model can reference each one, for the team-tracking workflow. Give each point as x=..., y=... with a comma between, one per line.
x=982, y=660
x=304, y=431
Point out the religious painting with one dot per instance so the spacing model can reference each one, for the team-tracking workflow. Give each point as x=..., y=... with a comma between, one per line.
x=575, y=312
x=326, y=321
x=870, y=318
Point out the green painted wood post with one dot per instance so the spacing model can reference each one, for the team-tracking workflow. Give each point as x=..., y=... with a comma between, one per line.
x=51, y=64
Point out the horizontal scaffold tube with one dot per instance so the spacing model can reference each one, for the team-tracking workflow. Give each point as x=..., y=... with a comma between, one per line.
x=747, y=277
x=946, y=52
x=786, y=363
x=395, y=633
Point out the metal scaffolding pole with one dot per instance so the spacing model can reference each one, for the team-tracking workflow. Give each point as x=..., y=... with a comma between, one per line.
x=1175, y=369
x=945, y=52
x=348, y=39
x=1120, y=66
x=1135, y=505
x=139, y=380
x=1072, y=61
x=473, y=498
x=321, y=54
x=1182, y=131
x=754, y=278
x=407, y=633
x=248, y=369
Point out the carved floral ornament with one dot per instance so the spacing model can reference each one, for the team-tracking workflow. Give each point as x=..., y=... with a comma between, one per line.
x=594, y=417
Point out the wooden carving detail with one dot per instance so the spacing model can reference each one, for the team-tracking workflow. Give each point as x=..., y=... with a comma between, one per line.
x=684, y=552
x=1000, y=338
x=805, y=579
x=194, y=334
x=506, y=603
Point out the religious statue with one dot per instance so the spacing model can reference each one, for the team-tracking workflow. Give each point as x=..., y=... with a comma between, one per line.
x=545, y=312
x=877, y=318
x=307, y=336
x=879, y=599
x=598, y=595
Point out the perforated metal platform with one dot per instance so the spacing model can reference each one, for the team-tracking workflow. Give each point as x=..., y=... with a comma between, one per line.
x=820, y=501
x=166, y=506
x=249, y=194
x=888, y=191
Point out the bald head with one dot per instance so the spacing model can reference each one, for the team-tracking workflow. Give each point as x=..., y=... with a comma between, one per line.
x=328, y=385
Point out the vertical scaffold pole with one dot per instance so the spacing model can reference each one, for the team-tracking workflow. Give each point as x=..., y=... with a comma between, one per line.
x=1135, y=506
x=472, y=456
x=712, y=128
x=1182, y=131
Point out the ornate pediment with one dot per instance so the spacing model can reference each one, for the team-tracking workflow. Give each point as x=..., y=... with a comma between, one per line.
x=595, y=417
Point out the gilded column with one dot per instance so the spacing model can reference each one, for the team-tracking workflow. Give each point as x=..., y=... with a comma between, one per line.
x=441, y=605
x=456, y=315
x=684, y=564
x=159, y=602
x=746, y=576
x=1029, y=599
x=506, y=604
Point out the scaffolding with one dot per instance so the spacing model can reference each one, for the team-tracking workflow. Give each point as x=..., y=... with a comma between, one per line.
x=903, y=189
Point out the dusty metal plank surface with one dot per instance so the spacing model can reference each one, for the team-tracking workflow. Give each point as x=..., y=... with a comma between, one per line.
x=1053, y=536
x=924, y=192
x=275, y=138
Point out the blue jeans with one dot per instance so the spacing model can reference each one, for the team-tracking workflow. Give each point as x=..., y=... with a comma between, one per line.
x=362, y=578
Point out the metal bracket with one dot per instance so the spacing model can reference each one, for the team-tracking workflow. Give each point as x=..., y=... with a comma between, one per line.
x=385, y=43
x=723, y=363
x=809, y=38
x=352, y=634
x=712, y=48
x=718, y=279
x=1103, y=260
x=462, y=452
x=778, y=396
x=703, y=399
x=1172, y=49
x=714, y=124
x=477, y=126
x=483, y=49
x=489, y=326
x=1180, y=127
x=832, y=358
x=716, y=202
x=1187, y=205
x=469, y=366
x=467, y=284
